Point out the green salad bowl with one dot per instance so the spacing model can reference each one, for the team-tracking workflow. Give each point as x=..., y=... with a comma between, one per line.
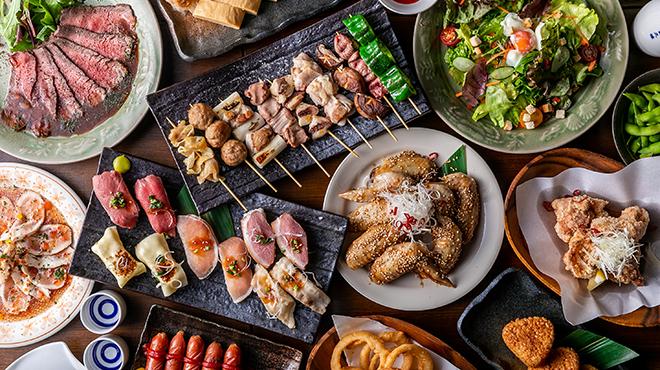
x=589, y=103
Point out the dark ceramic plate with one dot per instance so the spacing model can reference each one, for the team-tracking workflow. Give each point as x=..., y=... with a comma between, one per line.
x=267, y=64
x=197, y=39
x=257, y=353
x=510, y=296
x=325, y=232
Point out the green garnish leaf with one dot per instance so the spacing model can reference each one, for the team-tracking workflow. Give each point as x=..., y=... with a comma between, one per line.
x=219, y=218
x=455, y=163
x=597, y=350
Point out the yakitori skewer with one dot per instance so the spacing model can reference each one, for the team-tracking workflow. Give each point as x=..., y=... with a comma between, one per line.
x=397, y=113
x=359, y=133
x=387, y=128
x=287, y=172
x=414, y=106
x=220, y=179
x=315, y=160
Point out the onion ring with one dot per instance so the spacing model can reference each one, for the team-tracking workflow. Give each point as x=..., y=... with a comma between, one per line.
x=371, y=340
x=396, y=337
x=423, y=357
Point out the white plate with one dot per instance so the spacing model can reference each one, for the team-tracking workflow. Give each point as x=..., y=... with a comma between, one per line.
x=49, y=322
x=25, y=145
x=56, y=355
x=407, y=9
x=408, y=293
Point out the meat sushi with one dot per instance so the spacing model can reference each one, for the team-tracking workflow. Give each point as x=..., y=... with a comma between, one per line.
x=299, y=286
x=234, y=259
x=259, y=237
x=277, y=302
x=151, y=194
x=113, y=194
x=291, y=239
x=199, y=243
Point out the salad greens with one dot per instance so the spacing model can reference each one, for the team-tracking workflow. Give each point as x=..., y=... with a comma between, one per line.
x=26, y=23
x=501, y=86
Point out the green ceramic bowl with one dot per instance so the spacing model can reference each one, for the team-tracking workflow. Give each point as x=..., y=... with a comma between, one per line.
x=590, y=102
x=620, y=114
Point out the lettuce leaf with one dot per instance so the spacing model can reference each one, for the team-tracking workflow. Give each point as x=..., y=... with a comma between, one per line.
x=586, y=19
x=498, y=103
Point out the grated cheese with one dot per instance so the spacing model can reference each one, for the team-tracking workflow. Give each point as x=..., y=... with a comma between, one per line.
x=613, y=251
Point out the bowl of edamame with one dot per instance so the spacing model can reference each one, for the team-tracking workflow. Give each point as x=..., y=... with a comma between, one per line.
x=636, y=118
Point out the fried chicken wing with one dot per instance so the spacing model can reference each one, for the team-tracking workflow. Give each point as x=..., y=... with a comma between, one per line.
x=447, y=244
x=409, y=163
x=468, y=203
x=369, y=214
x=371, y=244
x=576, y=213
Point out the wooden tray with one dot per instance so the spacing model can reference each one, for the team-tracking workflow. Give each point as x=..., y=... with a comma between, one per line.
x=319, y=358
x=550, y=164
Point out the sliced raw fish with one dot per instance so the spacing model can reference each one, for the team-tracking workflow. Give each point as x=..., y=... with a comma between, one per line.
x=200, y=244
x=236, y=266
x=7, y=214
x=115, y=198
x=49, y=240
x=291, y=239
x=25, y=285
x=13, y=299
x=299, y=286
x=46, y=278
x=49, y=261
x=278, y=303
x=31, y=211
x=152, y=196
x=259, y=237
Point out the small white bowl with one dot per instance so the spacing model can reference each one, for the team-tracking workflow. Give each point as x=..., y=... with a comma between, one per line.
x=103, y=311
x=646, y=28
x=107, y=352
x=407, y=7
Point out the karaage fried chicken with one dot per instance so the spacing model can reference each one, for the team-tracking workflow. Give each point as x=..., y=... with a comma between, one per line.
x=576, y=213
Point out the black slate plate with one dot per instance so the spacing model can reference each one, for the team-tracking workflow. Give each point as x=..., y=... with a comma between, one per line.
x=511, y=295
x=268, y=63
x=257, y=353
x=197, y=39
x=325, y=233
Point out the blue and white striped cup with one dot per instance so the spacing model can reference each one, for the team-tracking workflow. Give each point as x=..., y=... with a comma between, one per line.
x=103, y=311
x=107, y=352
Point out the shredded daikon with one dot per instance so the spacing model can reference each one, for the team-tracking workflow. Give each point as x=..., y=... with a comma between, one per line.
x=613, y=251
x=412, y=208
x=161, y=266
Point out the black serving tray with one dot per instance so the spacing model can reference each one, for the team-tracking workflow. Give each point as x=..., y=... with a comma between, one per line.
x=325, y=233
x=257, y=353
x=269, y=63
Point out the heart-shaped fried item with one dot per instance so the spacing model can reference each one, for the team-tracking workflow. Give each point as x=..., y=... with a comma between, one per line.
x=530, y=339
x=562, y=358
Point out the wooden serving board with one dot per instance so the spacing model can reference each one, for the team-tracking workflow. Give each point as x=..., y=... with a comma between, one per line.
x=551, y=164
x=319, y=358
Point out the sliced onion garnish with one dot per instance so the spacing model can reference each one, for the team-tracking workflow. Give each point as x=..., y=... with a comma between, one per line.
x=613, y=251
x=166, y=268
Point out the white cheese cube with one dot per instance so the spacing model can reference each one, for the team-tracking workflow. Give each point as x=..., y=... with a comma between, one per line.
x=560, y=114
x=508, y=126
x=530, y=109
x=475, y=41
x=562, y=41
x=529, y=125
x=527, y=117
x=478, y=51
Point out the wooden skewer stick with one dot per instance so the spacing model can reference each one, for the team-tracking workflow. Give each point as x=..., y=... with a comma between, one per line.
x=359, y=133
x=343, y=144
x=415, y=106
x=315, y=160
x=232, y=193
x=387, y=128
x=395, y=112
x=287, y=172
x=170, y=121
x=260, y=175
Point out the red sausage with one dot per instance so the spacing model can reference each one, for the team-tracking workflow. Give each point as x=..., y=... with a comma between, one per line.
x=194, y=353
x=213, y=357
x=156, y=352
x=232, y=358
x=176, y=353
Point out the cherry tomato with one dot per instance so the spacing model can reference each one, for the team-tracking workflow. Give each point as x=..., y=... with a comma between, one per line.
x=589, y=53
x=449, y=37
x=523, y=41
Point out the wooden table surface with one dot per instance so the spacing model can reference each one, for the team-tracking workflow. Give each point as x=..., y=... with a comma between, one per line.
x=147, y=142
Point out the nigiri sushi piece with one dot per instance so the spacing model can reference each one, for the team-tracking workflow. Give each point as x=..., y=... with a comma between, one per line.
x=200, y=244
x=113, y=194
x=235, y=264
x=299, y=286
x=152, y=196
x=277, y=302
x=259, y=237
x=291, y=239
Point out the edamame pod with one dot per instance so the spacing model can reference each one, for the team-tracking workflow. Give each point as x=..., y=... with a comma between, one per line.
x=654, y=138
x=652, y=88
x=651, y=103
x=636, y=145
x=641, y=131
x=651, y=149
x=647, y=116
x=637, y=99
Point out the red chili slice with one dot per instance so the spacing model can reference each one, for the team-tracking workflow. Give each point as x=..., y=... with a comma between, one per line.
x=433, y=156
x=548, y=206
x=449, y=36
x=589, y=53
x=576, y=192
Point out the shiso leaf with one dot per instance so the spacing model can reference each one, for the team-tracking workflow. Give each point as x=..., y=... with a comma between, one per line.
x=219, y=218
x=597, y=350
x=455, y=163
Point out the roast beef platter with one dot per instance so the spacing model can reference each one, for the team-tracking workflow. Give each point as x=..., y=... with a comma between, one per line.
x=80, y=76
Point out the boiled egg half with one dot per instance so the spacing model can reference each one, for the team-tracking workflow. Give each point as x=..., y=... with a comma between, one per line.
x=523, y=39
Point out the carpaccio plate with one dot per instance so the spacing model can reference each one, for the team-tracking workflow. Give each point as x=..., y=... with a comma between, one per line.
x=269, y=63
x=257, y=353
x=325, y=233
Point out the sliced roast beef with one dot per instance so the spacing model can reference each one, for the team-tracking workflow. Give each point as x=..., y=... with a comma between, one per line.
x=24, y=74
x=106, y=72
x=87, y=91
x=44, y=97
x=117, y=46
x=101, y=19
x=67, y=105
